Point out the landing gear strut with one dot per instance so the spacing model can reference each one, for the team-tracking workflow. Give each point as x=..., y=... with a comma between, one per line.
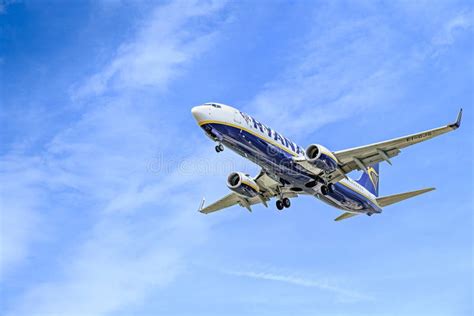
x=219, y=148
x=281, y=204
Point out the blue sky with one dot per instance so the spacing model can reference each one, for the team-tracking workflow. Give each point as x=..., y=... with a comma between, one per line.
x=103, y=167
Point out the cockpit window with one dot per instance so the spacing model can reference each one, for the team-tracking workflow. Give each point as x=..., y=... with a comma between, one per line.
x=213, y=105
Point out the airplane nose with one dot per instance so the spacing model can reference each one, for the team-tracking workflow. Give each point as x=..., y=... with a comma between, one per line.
x=195, y=111
x=199, y=113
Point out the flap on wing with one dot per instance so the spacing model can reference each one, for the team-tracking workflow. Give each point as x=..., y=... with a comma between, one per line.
x=226, y=201
x=360, y=157
x=233, y=199
x=345, y=215
x=331, y=177
x=303, y=162
x=267, y=182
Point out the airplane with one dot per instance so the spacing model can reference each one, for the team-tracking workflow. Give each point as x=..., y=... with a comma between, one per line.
x=289, y=170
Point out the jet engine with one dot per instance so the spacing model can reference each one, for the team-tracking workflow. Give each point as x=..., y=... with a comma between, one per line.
x=321, y=158
x=242, y=184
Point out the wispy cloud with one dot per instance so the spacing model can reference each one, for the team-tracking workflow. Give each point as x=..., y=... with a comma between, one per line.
x=97, y=167
x=20, y=194
x=447, y=35
x=159, y=51
x=451, y=29
x=327, y=81
x=118, y=265
x=342, y=294
x=345, y=67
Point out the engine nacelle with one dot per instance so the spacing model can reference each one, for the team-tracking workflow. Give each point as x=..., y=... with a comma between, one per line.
x=242, y=184
x=321, y=158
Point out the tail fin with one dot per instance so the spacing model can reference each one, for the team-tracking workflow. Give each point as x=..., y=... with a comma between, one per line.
x=370, y=179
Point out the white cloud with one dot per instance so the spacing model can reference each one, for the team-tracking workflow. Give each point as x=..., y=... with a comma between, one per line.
x=159, y=51
x=137, y=241
x=117, y=266
x=346, y=67
x=447, y=35
x=339, y=71
x=19, y=195
x=342, y=294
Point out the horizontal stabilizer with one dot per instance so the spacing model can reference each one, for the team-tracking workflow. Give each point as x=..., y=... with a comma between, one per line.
x=391, y=199
x=345, y=215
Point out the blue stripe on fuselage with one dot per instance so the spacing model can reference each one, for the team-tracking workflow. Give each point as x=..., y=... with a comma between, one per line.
x=353, y=196
x=263, y=153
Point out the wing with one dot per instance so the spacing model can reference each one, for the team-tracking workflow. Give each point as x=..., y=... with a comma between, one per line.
x=359, y=158
x=270, y=188
x=227, y=201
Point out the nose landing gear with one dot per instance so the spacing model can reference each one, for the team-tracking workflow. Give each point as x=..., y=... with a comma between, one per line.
x=219, y=148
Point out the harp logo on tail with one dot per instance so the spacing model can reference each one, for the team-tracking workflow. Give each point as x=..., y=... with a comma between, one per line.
x=373, y=176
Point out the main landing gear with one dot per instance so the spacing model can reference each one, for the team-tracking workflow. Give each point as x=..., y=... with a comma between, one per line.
x=219, y=148
x=326, y=189
x=283, y=203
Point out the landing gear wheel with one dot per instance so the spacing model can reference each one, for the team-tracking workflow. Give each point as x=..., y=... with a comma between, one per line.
x=324, y=189
x=286, y=202
x=279, y=205
x=219, y=148
x=369, y=214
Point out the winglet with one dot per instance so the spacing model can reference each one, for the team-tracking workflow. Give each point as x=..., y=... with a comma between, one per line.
x=201, y=206
x=457, y=124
